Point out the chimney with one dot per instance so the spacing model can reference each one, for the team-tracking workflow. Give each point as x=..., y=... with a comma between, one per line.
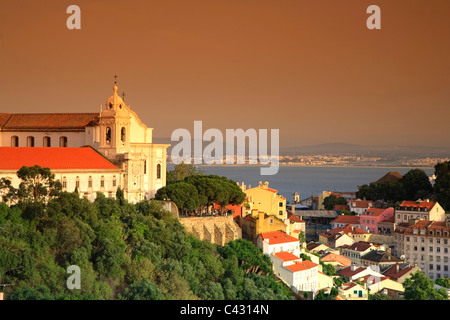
x=293, y=208
x=397, y=268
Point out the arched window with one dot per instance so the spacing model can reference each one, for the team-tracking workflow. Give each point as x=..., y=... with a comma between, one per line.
x=122, y=134
x=30, y=141
x=14, y=141
x=63, y=142
x=158, y=171
x=47, y=142
x=108, y=135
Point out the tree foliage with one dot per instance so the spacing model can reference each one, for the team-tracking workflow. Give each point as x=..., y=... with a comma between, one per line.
x=124, y=251
x=442, y=184
x=332, y=200
x=420, y=287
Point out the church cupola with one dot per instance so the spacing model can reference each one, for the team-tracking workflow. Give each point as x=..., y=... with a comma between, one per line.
x=115, y=102
x=114, y=125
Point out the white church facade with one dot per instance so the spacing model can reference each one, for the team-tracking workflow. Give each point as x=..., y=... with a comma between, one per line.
x=115, y=133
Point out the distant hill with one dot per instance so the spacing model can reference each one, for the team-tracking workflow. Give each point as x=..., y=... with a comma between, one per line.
x=391, y=176
x=346, y=148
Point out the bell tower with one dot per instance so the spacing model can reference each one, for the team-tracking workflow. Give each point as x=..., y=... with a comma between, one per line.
x=114, y=127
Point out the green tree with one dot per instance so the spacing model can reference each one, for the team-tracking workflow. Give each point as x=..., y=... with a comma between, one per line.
x=182, y=171
x=37, y=184
x=442, y=184
x=420, y=287
x=332, y=200
x=416, y=184
x=142, y=290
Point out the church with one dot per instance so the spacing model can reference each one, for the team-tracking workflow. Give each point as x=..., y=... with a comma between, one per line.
x=93, y=152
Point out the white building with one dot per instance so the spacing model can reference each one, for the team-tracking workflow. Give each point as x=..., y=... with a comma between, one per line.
x=116, y=132
x=277, y=241
x=81, y=168
x=299, y=275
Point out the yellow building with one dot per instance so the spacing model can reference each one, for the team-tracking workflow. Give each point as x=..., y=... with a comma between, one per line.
x=259, y=222
x=263, y=198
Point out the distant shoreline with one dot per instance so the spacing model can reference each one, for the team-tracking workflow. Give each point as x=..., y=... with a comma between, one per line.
x=318, y=166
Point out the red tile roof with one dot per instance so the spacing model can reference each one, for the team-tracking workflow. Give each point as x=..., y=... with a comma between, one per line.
x=300, y=266
x=13, y=158
x=47, y=121
x=346, y=219
x=333, y=257
x=415, y=204
x=277, y=237
x=360, y=203
x=286, y=256
x=294, y=218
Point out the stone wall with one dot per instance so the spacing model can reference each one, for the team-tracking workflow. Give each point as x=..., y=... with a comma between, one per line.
x=218, y=230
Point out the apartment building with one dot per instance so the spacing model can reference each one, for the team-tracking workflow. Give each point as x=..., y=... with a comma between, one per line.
x=425, y=244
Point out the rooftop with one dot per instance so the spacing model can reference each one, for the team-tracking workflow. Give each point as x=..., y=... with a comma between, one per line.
x=13, y=158
x=277, y=237
x=47, y=121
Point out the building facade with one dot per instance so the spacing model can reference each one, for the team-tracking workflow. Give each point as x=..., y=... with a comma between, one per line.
x=115, y=132
x=425, y=244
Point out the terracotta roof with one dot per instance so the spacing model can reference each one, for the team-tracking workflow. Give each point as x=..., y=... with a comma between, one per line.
x=374, y=212
x=339, y=207
x=360, y=203
x=333, y=257
x=398, y=270
x=348, y=272
x=361, y=246
x=277, y=237
x=301, y=265
x=286, y=256
x=13, y=158
x=418, y=204
x=47, y=121
x=294, y=218
x=346, y=219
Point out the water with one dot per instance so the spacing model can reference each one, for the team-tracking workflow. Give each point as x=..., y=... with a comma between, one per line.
x=306, y=181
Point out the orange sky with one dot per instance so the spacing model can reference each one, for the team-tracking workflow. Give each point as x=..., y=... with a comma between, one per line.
x=309, y=68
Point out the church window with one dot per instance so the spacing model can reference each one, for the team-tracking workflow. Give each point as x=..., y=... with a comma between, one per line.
x=47, y=141
x=122, y=134
x=14, y=141
x=110, y=105
x=30, y=141
x=63, y=142
x=158, y=171
x=108, y=134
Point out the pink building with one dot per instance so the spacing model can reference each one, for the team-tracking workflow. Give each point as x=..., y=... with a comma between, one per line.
x=371, y=217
